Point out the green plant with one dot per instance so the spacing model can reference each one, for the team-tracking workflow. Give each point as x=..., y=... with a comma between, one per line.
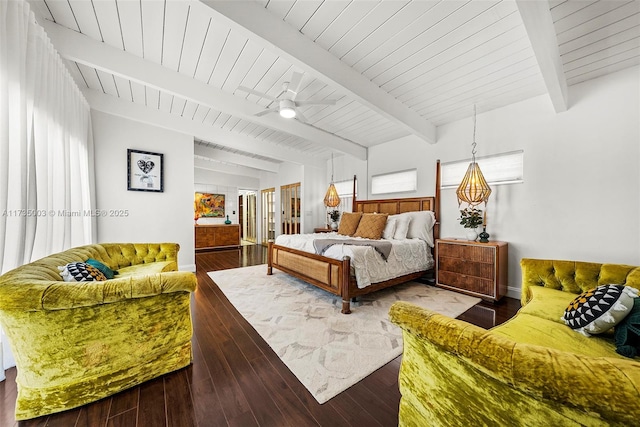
x=334, y=215
x=470, y=217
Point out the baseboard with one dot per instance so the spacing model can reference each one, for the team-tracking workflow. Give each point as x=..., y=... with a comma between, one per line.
x=514, y=292
x=188, y=267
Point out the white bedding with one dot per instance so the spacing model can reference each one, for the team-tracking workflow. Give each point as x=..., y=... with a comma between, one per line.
x=407, y=256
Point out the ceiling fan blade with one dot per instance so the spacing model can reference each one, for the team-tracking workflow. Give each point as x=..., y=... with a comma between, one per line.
x=316, y=102
x=294, y=84
x=256, y=93
x=263, y=112
x=301, y=116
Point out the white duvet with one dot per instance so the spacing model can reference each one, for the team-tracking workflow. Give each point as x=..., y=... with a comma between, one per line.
x=407, y=256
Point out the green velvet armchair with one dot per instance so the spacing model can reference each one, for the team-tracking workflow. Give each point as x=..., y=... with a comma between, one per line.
x=78, y=342
x=530, y=371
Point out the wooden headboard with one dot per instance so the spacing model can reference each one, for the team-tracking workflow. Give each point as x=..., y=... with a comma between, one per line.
x=395, y=206
x=411, y=204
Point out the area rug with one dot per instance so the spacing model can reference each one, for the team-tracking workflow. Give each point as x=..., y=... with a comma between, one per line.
x=326, y=350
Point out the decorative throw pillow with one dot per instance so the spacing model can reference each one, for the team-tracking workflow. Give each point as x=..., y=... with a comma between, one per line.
x=80, y=272
x=108, y=273
x=371, y=226
x=600, y=309
x=389, y=229
x=402, y=226
x=349, y=223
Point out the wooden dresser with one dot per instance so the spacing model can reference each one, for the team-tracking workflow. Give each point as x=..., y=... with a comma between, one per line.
x=478, y=269
x=209, y=236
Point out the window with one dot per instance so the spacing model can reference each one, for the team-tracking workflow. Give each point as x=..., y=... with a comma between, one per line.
x=344, y=188
x=345, y=191
x=395, y=182
x=505, y=168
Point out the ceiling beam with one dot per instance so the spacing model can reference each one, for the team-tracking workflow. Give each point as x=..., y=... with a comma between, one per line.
x=212, y=165
x=538, y=22
x=253, y=20
x=129, y=110
x=222, y=156
x=77, y=47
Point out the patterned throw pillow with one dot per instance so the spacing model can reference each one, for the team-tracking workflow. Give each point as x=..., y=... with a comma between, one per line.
x=349, y=223
x=371, y=226
x=600, y=309
x=80, y=272
x=108, y=273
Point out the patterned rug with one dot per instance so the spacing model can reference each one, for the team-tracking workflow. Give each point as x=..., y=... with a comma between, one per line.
x=326, y=350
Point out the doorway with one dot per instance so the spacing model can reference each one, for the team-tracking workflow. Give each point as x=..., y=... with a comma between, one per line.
x=247, y=216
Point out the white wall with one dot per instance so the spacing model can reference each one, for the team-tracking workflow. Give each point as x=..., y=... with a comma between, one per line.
x=152, y=217
x=345, y=167
x=581, y=193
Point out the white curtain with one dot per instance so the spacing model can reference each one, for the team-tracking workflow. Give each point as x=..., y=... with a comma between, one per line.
x=46, y=148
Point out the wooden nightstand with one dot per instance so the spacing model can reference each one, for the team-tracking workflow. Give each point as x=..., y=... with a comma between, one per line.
x=322, y=230
x=478, y=269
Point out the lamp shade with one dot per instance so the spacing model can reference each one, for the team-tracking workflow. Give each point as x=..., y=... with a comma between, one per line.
x=474, y=188
x=331, y=199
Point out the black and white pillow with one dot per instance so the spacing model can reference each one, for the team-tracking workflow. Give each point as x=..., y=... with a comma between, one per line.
x=80, y=272
x=600, y=309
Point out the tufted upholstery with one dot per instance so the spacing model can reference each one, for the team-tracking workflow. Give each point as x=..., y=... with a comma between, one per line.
x=78, y=342
x=532, y=370
x=573, y=276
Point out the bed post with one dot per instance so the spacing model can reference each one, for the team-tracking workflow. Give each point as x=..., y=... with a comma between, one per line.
x=353, y=203
x=344, y=285
x=436, y=208
x=269, y=257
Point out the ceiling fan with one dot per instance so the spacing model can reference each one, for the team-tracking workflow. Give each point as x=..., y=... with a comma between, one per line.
x=286, y=103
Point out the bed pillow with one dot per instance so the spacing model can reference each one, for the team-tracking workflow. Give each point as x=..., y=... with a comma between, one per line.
x=421, y=226
x=389, y=228
x=371, y=226
x=349, y=223
x=600, y=309
x=402, y=226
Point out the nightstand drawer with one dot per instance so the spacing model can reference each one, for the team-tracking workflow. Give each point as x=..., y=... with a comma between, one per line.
x=467, y=252
x=461, y=266
x=464, y=282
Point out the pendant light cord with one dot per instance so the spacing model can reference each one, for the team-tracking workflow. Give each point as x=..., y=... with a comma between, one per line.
x=332, y=168
x=473, y=146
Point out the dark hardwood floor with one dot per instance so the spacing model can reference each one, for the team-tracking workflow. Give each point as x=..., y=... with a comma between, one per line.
x=235, y=378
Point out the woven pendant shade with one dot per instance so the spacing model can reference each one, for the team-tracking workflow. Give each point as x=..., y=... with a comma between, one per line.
x=474, y=188
x=331, y=199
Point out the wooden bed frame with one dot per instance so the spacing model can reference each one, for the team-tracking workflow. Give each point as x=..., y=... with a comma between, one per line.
x=333, y=275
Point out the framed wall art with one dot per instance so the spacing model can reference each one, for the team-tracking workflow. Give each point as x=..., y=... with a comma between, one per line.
x=145, y=171
x=209, y=205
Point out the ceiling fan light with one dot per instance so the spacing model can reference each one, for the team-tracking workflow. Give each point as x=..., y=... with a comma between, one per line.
x=287, y=112
x=287, y=108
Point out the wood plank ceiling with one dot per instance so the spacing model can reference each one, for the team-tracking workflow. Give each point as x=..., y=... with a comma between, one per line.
x=401, y=66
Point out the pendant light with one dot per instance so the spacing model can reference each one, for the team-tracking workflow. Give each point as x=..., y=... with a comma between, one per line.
x=474, y=188
x=331, y=199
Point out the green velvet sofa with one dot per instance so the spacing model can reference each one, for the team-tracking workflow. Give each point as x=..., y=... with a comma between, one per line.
x=533, y=370
x=78, y=342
